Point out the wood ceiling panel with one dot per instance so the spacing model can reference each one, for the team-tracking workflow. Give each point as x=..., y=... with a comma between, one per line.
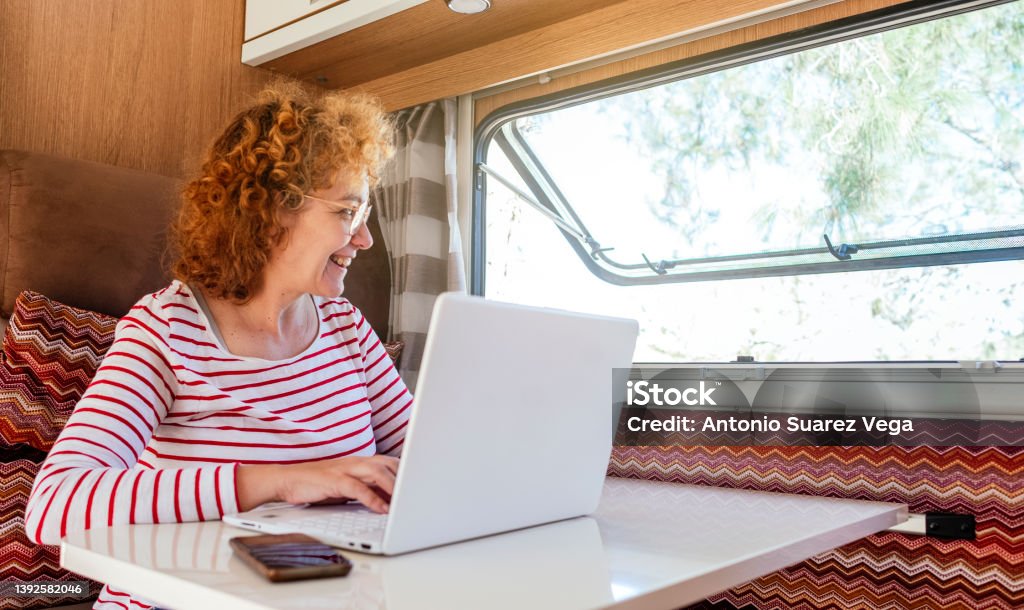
x=423, y=34
x=427, y=52
x=594, y=34
x=784, y=25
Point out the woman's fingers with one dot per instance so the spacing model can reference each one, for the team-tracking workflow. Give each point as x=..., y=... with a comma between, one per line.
x=369, y=480
x=391, y=463
x=377, y=474
x=361, y=492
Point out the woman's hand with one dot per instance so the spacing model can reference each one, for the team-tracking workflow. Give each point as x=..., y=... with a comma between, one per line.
x=363, y=479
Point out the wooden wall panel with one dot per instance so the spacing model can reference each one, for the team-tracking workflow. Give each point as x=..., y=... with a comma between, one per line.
x=144, y=84
x=485, y=105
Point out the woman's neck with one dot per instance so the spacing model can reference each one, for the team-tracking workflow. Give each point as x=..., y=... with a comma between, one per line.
x=274, y=315
x=272, y=326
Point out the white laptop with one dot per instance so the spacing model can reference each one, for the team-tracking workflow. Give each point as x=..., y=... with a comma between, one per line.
x=511, y=427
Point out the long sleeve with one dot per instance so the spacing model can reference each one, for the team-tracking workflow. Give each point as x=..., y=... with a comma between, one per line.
x=93, y=478
x=390, y=400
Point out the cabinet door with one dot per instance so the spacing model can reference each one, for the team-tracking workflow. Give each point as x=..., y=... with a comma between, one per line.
x=278, y=27
x=261, y=16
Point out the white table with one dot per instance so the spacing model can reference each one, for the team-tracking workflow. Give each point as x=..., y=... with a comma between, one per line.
x=650, y=545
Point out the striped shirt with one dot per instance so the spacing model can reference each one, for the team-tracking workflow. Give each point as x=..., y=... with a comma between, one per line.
x=170, y=415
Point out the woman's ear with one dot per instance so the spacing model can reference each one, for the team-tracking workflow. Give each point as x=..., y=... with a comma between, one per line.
x=284, y=209
x=285, y=217
x=280, y=197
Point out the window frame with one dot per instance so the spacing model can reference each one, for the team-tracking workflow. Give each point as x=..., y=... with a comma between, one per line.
x=548, y=195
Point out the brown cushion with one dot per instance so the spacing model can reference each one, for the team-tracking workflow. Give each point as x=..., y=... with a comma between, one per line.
x=22, y=561
x=83, y=233
x=94, y=236
x=50, y=353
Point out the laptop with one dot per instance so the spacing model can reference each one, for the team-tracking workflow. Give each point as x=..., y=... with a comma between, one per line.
x=511, y=427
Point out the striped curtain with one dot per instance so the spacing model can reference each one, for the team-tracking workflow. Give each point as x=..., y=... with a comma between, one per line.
x=417, y=204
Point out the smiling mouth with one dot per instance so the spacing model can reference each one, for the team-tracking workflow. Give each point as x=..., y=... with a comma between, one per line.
x=341, y=261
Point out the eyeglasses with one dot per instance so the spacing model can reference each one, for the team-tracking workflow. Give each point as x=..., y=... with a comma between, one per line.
x=360, y=212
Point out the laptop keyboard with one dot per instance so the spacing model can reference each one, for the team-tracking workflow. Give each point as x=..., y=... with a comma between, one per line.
x=361, y=523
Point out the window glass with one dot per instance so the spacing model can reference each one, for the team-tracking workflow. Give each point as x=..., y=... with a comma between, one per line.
x=913, y=137
x=960, y=312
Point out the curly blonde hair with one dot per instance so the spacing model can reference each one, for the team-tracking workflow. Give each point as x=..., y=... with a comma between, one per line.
x=290, y=142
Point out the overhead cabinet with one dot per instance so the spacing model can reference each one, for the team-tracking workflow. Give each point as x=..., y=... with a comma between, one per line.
x=277, y=27
x=408, y=52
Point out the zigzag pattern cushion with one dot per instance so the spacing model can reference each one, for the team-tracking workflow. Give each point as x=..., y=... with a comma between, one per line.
x=886, y=571
x=22, y=561
x=51, y=352
x=394, y=350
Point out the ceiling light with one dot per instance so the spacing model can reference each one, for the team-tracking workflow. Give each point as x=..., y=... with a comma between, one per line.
x=468, y=7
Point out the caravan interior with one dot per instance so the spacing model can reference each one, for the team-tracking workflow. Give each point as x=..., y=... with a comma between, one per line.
x=814, y=208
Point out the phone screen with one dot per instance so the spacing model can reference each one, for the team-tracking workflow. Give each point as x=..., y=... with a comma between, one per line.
x=290, y=556
x=295, y=554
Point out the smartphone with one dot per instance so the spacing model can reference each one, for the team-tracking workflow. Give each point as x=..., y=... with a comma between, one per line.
x=280, y=557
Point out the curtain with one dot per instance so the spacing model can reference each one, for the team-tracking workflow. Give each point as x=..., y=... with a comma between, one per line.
x=416, y=201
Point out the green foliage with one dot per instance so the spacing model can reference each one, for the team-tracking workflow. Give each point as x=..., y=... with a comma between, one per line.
x=914, y=129
x=944, y=98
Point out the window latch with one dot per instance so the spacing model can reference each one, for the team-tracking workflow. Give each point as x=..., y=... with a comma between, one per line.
x=843, y=253
x=661, y=267
x=595, y=248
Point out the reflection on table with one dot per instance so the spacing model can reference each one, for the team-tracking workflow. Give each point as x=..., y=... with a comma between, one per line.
x=650, y=545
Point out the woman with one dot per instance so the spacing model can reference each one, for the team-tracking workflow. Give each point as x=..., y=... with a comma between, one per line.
x=248, y=379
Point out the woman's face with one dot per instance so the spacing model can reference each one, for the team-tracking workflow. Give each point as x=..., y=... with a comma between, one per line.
x=318, y=248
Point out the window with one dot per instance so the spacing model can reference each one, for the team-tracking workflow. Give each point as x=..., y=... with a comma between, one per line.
x=850, y=193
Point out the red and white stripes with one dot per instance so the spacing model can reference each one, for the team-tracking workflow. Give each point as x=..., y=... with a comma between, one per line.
x=171, y=414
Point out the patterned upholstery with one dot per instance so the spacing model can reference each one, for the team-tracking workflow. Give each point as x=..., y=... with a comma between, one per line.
x=887, y=570
x=394, y=349
x=51, y=352
x=20, y=559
